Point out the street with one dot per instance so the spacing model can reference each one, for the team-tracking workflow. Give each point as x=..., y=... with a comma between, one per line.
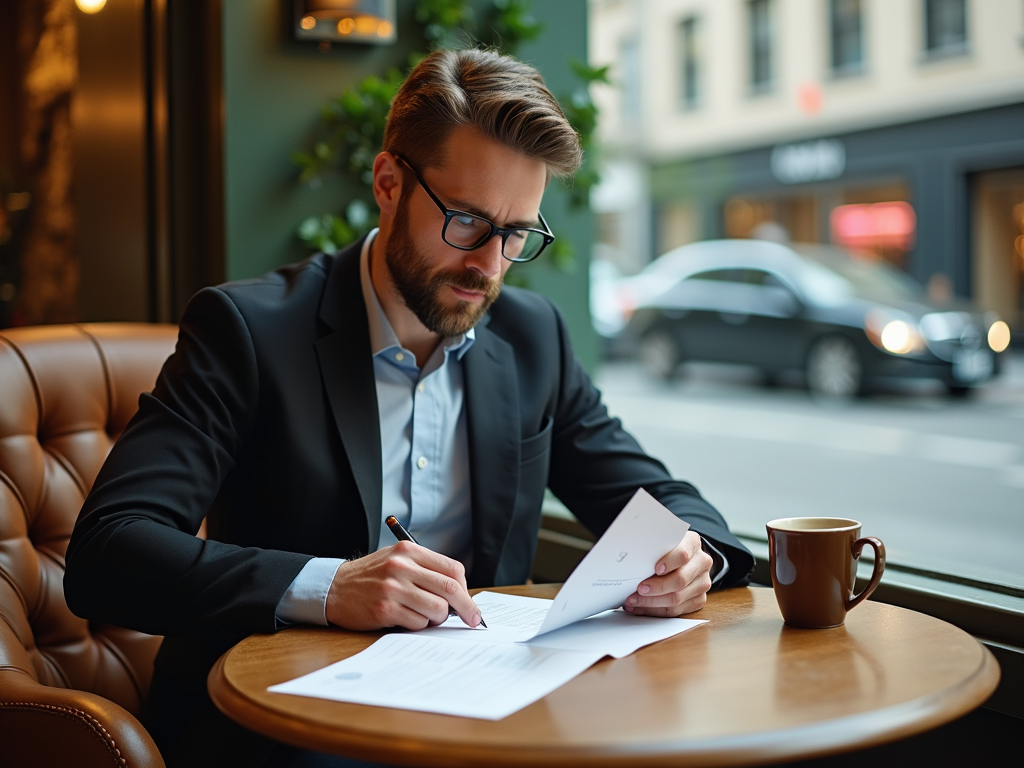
x=940, y=480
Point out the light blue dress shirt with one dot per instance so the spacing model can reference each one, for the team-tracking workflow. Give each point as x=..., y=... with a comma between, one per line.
x=424, y=457
x=424, y=453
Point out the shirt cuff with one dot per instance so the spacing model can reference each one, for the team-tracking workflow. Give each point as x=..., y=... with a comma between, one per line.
x=720, y=566
x=305, y=600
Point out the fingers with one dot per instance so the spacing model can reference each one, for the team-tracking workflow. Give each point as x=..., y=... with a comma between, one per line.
x=681, y=586
x=404, y=585
x=435, y=562
x=446, y=578
x=682, y=555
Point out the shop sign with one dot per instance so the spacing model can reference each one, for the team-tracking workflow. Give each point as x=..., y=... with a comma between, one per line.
x=808, y=161
x=874, y=225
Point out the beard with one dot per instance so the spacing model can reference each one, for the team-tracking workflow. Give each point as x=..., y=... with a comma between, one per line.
x=420, y=287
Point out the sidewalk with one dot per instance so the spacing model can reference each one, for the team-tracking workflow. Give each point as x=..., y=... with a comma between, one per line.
x=1008, y=387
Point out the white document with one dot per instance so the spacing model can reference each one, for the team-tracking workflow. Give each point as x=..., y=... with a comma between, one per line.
x=444, y=675
x=516, y=619
x=532, y=646
x=625, y=555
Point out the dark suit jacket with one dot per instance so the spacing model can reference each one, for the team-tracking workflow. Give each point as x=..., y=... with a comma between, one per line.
x=264, y=421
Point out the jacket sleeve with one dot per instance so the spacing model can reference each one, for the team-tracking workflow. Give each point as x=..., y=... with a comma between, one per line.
x=597, y=466
x=134, y=559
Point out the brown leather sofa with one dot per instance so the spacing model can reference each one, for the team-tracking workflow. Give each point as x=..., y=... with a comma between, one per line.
x=70, y=690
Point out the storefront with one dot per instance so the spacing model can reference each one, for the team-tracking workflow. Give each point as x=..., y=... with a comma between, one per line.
x=941, y=198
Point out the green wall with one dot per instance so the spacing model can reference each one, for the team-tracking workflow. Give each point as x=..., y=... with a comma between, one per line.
x=564, y=38
x=273, y=91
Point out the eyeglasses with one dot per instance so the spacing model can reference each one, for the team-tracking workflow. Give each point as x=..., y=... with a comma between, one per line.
x=467, y=232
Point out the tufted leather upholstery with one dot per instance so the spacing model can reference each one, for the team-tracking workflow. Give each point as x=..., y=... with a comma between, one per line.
x=70, y=690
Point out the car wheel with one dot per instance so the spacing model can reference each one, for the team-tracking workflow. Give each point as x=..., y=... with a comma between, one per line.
x=834, y=369
x=659, y=355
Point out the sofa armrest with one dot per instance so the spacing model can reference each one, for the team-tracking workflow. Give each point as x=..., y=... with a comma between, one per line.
x=42, y=725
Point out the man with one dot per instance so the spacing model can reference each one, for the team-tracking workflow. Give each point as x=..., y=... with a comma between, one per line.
x=396, y=378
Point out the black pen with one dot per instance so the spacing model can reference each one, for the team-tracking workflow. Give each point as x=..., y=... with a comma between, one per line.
x=403, y=535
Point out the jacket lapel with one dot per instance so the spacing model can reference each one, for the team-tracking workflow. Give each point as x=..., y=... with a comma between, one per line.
x=346, y=365
x=492, y=417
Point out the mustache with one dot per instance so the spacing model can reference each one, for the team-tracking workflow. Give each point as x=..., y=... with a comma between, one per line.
x=468, y=281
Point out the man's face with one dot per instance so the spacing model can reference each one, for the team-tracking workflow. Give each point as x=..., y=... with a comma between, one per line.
x=448, y=289
x=421, y=285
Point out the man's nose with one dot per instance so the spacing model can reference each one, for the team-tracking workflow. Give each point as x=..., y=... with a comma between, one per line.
x=487, y=259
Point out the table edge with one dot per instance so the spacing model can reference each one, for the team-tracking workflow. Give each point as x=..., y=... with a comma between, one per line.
x=850, y=733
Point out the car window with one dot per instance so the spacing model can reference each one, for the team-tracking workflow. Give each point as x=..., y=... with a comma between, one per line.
x=760, y=277
x=866, y=278
x=721, y=275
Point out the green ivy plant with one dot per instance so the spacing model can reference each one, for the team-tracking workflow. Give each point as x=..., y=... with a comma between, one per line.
x=350, y=131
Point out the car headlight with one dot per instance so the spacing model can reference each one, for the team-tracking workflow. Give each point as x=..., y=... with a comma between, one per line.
x=900, y=337
x=895, y=335
x=998, y=336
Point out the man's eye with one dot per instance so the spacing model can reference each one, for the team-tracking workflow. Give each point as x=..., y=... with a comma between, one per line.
x=518, y=234
x=467, y=222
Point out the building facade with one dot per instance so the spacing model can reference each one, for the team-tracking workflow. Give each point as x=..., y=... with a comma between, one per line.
x=896, y=127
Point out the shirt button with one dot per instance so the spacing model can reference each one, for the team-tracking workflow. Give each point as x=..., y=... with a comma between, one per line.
x=421, y=387
x=399, y=356
x=421, y=462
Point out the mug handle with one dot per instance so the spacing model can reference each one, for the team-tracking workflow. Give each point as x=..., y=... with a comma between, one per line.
x=876, y=574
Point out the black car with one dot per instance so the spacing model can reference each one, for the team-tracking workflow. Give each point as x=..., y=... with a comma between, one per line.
x=846, y=320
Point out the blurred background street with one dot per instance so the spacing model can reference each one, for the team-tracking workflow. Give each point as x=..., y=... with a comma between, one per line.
x=879, y=147
x=939, y=480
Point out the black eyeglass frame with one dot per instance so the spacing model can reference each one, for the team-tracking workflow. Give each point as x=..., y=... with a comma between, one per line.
x=450, y=213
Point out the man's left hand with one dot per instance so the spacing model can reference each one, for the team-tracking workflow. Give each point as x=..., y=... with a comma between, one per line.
x=680, y=584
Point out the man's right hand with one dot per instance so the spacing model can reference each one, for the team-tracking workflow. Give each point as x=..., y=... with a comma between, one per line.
x=404, y=585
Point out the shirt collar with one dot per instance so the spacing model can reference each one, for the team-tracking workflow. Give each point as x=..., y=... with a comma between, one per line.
x=382, y=335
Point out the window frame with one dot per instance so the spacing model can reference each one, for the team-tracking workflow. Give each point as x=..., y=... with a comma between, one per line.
x=939, y=52
x=846, y=69
x=758, y=36
x=631, y=55
x=690, y=63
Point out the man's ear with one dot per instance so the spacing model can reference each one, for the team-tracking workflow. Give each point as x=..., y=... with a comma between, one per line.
x=387, y=183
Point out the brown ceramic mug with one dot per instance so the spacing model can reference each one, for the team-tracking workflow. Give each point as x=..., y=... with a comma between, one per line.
x=813, y=562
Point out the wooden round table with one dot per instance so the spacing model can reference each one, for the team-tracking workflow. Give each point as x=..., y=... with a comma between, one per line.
x=740, y=690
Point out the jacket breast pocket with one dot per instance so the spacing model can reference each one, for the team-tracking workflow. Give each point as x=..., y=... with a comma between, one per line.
x=537, y=445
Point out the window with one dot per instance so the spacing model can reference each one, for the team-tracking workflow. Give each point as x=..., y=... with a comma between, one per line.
x=760, y=23
x=846, y=37
x=631, y=104
x=945, y=27
x=689, y=62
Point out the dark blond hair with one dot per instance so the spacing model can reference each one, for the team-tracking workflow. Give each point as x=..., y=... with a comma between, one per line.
x=503, y=98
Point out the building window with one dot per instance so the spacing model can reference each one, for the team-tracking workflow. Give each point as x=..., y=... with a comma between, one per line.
x=846, y=37
x=945, y=27
x=759, y=13
x=631, y=105
x=689, y=62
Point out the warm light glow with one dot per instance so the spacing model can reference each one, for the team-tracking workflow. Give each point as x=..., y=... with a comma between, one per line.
x=999, y=336
x=346, y=26
x=874, y=225
x=1018, y=213
x=90, y=6
x=810, y=98
x=899, y=338
x=384, y=29
x=308, y=22
x=366, y=25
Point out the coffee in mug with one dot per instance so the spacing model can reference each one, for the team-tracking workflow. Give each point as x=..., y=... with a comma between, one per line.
x=813, y=561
